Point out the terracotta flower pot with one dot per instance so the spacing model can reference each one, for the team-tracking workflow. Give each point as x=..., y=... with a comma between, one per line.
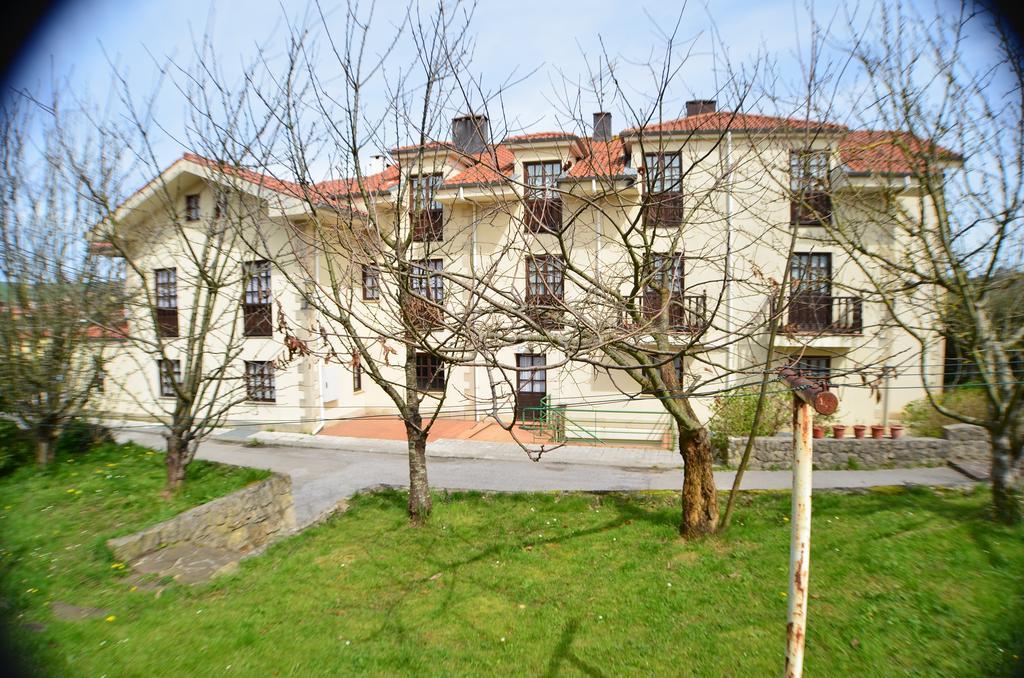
x=838, y=431
x=877, y=432
x=818, y=431
x=896, y=431
x=859, y=430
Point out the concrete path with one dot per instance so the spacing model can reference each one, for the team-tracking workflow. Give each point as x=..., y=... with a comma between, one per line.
x=324, y=475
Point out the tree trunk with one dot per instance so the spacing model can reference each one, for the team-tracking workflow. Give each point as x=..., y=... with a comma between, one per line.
x=44, y=450
x=700, y=497
x=175, y=464
x=1006, y=480
x=419, y=489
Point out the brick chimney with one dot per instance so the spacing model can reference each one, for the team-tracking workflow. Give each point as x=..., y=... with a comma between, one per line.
x=602, y=126
x=470, y=133
x=698, y=106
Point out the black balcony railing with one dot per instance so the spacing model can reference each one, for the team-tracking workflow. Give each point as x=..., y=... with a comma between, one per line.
x=824, y=314
x=686, y=312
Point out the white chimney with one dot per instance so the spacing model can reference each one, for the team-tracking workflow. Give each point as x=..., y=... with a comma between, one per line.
x=375, y=165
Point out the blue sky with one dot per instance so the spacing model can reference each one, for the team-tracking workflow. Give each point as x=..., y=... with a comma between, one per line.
x=549, y=37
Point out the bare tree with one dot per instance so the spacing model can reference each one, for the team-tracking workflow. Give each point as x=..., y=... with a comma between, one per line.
x=55, y=295
x=945, y=164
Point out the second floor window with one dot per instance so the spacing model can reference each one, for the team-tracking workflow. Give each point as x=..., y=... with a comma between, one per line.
x=426, y=281
x=810, y=198
x=192, y=207
x=543, y=202
x=166, y=292
x=259, y=381
x=664, y=189
x=426, y=215
x=169, y=374
x=371, y=282
x=545, y=279
x=666, y=273
x=256, y=305
x=429, y=372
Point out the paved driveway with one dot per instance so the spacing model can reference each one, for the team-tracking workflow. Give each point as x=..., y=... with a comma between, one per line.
x=323, y=477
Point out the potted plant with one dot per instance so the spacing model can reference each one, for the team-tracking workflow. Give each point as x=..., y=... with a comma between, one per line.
x=838, y=430
x=818, y=431
x=877, y=431
x=859, y=430
x=896, y=431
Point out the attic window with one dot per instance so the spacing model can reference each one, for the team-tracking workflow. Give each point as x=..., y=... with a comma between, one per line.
x=192, y=207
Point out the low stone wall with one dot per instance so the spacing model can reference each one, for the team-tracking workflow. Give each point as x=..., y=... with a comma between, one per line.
x=960, y=441
x=241, y=521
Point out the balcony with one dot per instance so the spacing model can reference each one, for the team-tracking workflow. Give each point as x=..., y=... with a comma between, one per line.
x=824, y=314
x=811, y=209
x=686, y=313
x=544, y=215
x=547, y=311
x=665, y=210
x=422, y=314
x=427, y=225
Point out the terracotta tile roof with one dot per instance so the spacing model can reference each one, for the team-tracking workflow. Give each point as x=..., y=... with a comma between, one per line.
x=539, y=136
x=288, y=187
x=882, y=152
x=429, y=146
x=605, y=158
x=493, y=165
x=373, y=183
x=727, y=120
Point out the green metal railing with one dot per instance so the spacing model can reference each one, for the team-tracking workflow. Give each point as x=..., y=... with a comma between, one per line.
x=565, y=423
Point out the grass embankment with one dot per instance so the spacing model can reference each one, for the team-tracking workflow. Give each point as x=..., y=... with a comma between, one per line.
x=908, y=582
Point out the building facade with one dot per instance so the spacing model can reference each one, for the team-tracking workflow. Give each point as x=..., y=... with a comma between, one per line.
x=709, y=225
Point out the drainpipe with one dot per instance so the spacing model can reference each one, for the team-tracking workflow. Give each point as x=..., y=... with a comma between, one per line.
x=472, y=268
x=727, y=301
x=319, y=364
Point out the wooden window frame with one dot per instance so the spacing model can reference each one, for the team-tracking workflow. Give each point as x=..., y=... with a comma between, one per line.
x=542, y=202
x=425, y=281
x=260, y=381
x=371, y=282
x=257, y=303
x=810, y=202
x=165, y=291
x=430, y=373
x=192, y=207
x=426, y=214
x=165, y=375
x=664, y=193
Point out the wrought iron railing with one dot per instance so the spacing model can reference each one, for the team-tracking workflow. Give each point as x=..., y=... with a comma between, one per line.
x=824, y=314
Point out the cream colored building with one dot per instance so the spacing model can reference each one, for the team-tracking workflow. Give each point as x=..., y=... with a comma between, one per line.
x=727, y=177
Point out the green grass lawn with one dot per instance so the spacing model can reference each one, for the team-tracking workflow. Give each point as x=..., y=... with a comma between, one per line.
x=901, y=582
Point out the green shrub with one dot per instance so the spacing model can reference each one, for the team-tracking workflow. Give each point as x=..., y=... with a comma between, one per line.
x=922, y=419
x=733, y=415
x=15, y=447
x=81, y=436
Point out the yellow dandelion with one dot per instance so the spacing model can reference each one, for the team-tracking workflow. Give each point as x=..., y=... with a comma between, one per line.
x=111, y=618
x=117, y=566
x=32, y=590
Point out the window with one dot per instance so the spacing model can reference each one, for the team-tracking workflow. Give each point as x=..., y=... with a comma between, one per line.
x=531, y=385
x=684, y=312
x=677, y=367
x=425, y=280
x=814, y=367
x=169, y=374
x=426, y=215
x=664, y=189
x=259, y=381
x=664, y=172
x=429, y=372
x=810, y=201
x=166, y=290
x=371, y=282
x=545, y=279
x=543, y=209
x=357, y=373
x=256, y=305
x=667, y=273
x=220, y=208
x=192, y=207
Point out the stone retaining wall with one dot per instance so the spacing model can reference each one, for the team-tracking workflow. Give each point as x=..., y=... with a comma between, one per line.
x=241, y=521
x=960, y=441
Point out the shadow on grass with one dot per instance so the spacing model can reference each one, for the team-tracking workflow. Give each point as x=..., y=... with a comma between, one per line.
x=563, y=654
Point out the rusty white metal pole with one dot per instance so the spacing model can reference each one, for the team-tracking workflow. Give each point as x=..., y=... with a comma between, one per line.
x=800, y=538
